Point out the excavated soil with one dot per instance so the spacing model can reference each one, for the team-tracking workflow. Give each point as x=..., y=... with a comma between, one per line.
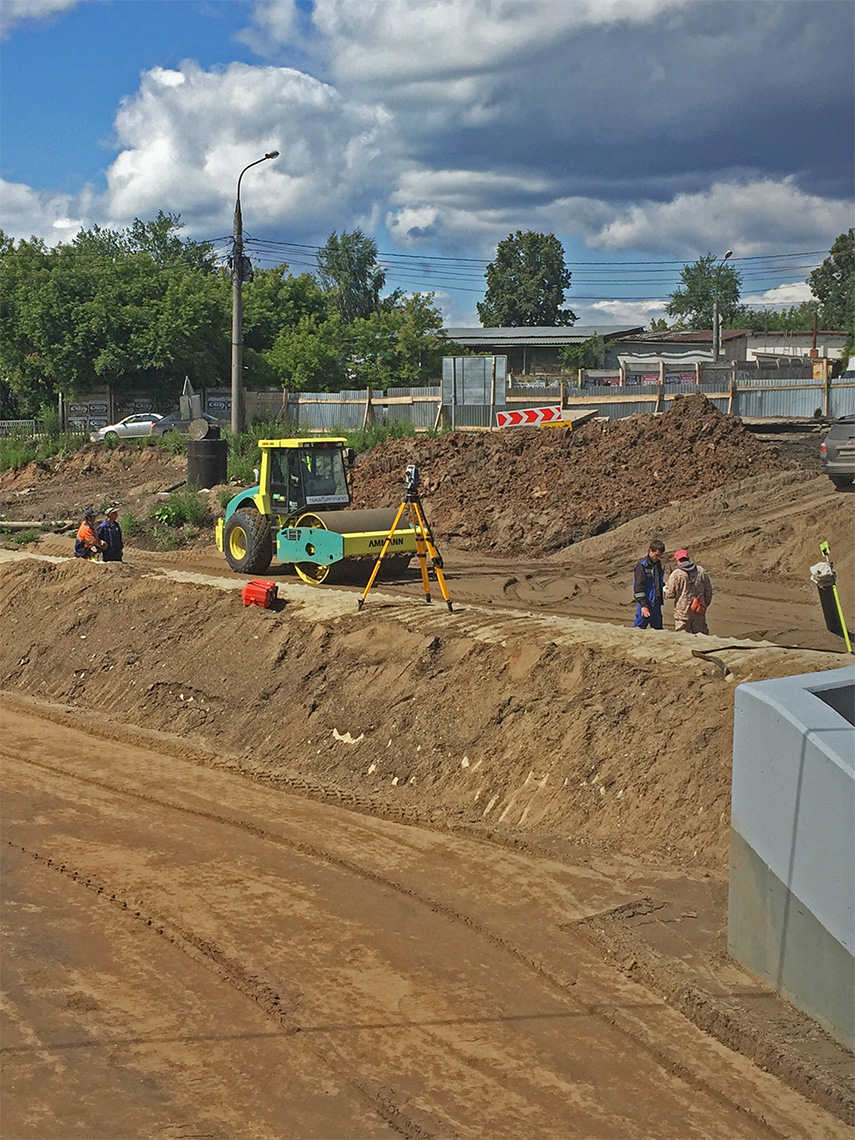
x=534, y=492
x=532, y=716
x=523, y=492
x=623, y=735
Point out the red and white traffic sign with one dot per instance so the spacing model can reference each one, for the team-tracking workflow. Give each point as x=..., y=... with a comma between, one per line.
x=522, y=416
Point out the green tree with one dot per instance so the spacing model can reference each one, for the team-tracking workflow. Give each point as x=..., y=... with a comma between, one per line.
x=102, y=310
x=526, y=283
x=833, y=285
x=311, y=355
x=276, y=301
x=591, y=353
x=796, y=318
x=160, y=240
x=399, y=345
x=24, y=277
x=350, y=275
x=703, y=282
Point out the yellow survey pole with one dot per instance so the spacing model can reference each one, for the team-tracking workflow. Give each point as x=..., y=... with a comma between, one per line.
x=826, y=553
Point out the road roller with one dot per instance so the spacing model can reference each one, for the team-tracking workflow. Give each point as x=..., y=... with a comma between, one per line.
x=299, y=514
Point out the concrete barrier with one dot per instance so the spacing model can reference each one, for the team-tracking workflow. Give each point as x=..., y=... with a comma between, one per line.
x=791, y=910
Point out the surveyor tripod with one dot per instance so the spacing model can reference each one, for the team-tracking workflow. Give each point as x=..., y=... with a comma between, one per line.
x=425, y=545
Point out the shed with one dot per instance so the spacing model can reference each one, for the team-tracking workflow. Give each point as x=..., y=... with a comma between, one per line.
x=534, y=349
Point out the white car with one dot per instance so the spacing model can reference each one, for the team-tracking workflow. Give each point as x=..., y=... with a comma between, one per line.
x=131, y=427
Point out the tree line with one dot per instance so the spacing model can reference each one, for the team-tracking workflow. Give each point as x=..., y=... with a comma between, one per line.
x=139, y=309
x=526, y=286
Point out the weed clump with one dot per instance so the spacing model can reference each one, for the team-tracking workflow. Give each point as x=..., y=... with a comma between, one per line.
x=181, y=507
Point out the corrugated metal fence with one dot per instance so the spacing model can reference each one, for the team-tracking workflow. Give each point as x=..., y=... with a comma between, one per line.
x=755, y=398
x=327, y=412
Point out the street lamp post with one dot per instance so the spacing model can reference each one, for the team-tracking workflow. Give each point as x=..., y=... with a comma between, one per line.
x=237, y=304
x=716, y=336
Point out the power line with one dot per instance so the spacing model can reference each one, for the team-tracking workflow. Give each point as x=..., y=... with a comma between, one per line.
x=424, y=275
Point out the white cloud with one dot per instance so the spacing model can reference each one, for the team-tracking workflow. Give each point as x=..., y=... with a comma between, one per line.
x=52, y=217
x=751, y=218
x=780, y=298
x=382, y=40
x=187, y=134
x=621, y=312
x=480, y=208
x=456, y=122
x=273, y=25
x=14, y=12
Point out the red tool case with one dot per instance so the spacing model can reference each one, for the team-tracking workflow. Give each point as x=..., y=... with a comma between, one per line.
x=260, y=593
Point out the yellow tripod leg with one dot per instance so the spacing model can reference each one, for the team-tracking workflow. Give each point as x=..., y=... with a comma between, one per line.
x=421, y=551
x=825, y=550
x=376, y=568
x=435, y=556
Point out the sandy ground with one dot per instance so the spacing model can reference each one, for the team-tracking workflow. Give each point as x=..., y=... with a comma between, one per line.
x=189, y=953
x=313, y=871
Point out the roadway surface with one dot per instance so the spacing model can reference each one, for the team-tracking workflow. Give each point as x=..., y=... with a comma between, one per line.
x=188, y=953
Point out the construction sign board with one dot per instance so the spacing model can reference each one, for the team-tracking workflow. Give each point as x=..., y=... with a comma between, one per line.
x=521, y=417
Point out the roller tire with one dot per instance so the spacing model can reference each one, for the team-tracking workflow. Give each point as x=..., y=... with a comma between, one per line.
x=248, y=542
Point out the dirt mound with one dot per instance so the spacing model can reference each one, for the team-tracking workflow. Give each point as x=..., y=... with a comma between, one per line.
x=510, y=723
x=62, y=488
x=528, y=491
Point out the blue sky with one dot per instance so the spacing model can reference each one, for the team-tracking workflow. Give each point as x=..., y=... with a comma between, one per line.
x=643, y=133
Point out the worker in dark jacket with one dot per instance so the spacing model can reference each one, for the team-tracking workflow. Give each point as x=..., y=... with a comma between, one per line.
x=110, y=533
x=647, y=587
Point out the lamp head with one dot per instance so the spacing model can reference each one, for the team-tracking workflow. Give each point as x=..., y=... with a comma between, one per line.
x=728, y=254
x=275, y=154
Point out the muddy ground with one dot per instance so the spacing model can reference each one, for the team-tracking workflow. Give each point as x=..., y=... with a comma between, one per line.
x=532, y=718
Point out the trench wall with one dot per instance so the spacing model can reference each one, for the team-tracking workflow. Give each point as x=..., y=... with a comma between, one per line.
x=791, y=912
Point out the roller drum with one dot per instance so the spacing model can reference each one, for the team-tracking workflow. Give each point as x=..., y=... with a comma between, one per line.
x=377, y=521
x=353, y=522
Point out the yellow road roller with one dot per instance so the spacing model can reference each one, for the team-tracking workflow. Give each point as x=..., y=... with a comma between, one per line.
x=298, y=514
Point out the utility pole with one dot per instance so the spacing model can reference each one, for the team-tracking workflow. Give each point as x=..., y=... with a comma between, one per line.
x=238, y=275
x=716, y=336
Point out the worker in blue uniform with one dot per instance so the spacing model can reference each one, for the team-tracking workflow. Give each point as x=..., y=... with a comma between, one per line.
x=647, y=586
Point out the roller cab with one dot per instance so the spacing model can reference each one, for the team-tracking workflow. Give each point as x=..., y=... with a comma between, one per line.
x=298, y=513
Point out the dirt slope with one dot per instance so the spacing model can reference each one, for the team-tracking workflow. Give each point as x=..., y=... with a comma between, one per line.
x=541, y=724
x=548, y=731
x=94, y=475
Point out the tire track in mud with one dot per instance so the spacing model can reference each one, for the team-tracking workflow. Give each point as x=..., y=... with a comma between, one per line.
x=207, y=954
x=611, y=1015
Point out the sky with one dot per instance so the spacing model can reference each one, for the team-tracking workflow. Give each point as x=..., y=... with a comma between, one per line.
x=644, y=134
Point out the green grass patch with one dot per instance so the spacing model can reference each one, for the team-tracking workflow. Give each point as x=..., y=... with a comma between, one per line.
x=129, y=523
x=167, y=538
x=363, y=439
x=173, y=443
x=244, y=452
x=20, y=537
x=19, y=449
x=182, y=506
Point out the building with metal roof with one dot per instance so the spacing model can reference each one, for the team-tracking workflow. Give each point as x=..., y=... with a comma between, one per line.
x=535, y=348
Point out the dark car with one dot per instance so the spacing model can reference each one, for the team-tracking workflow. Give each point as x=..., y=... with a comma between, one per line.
x=175, y=422
x=837, y=452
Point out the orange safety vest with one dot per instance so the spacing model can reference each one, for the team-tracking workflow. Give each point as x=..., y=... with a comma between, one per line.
x=86, y=534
